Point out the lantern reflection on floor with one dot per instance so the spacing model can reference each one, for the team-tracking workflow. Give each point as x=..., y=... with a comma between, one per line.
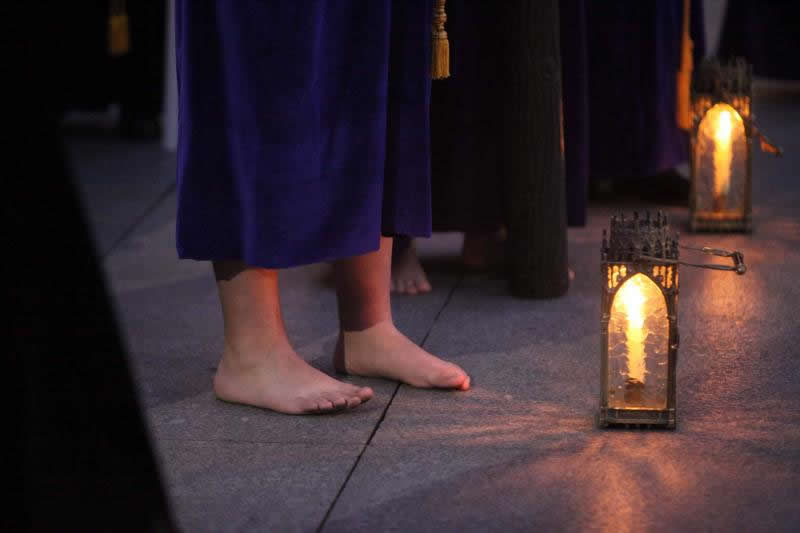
x=638, y=334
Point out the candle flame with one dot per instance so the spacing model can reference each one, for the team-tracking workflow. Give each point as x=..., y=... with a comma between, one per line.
x=722, y=119
x=724, y=127
x=638, y=331
x=631, y=300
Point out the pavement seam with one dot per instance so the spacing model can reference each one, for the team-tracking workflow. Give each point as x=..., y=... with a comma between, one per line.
x=386, y=409
x=141, y=218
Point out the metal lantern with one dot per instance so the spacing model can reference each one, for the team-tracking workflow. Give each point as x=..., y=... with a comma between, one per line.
x=640, y=259
x=721, y=134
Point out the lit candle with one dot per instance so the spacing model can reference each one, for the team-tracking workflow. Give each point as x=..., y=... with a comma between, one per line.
x=722, y=158
x=631, y=301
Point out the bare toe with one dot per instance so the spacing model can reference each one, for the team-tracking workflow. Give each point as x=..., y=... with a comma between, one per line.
x=324, y=405
x=305, y=406
x=411, y=287
x=353, y=401
x=339, y=402
x=364, y=394
x=408, y=276
x=452, y=378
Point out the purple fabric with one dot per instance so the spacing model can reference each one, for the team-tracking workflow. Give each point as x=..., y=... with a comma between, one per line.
x=466, y=128
x=619, y=61
x=634, y=55
x=467, y=131
x=303, y=127
x=575, y=98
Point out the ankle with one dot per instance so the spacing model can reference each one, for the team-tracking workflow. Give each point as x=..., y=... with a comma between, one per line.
x=381, y=327
x=366, y=340
x=244, y=354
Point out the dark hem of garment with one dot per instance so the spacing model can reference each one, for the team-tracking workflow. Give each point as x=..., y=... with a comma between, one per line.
x=321, y=258
x=263, y=263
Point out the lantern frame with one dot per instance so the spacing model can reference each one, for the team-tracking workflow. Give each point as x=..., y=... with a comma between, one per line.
x=640, y=246
x=730, y=84
x=648, y=247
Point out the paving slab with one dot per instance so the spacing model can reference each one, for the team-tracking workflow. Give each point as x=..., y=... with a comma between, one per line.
x=590, y=481
x=234, y=486
x=119, y=182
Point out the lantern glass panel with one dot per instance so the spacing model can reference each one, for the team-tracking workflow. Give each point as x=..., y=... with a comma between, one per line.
x=638, y=337
x=721, y=162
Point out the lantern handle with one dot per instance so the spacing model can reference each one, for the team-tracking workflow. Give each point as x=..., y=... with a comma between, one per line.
x=769, y=146
x=765, y=143
x=737, y=257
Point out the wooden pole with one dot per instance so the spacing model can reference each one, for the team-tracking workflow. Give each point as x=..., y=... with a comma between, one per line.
x=536, y=187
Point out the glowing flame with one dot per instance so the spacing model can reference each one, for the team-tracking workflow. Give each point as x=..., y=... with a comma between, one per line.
x=631, y=299
x=724, y=127
x=722, y=119
x=638, y=331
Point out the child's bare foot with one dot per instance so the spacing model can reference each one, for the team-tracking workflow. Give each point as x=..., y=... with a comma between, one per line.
x=408, y=276
x=283, y=382
x=382, y=351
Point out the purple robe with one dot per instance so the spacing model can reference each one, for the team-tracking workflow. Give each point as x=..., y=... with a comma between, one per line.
x=303, y=127
x=634, y=53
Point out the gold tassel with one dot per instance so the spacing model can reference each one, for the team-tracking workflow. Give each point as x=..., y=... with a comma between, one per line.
x=683, y=112
x=119, y=41
x=440, y=63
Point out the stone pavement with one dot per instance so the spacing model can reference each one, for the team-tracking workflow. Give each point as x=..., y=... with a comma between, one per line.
x=520, y=451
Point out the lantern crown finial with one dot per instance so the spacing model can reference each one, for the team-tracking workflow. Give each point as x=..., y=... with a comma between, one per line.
x=630, y=238
x=724, y=79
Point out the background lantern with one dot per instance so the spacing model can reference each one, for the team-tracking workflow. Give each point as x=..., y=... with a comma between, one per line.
x=721, y=133
x=640, y=258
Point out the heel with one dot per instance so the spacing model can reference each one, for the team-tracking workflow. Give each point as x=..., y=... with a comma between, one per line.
x=338, y=356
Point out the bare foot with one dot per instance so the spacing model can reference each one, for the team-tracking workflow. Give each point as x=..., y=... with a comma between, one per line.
x=408, y=276
x=382, y=351
x=283, y=382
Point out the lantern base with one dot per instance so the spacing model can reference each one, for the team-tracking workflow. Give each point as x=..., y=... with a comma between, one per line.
x=720, y=222
x=636, y=417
